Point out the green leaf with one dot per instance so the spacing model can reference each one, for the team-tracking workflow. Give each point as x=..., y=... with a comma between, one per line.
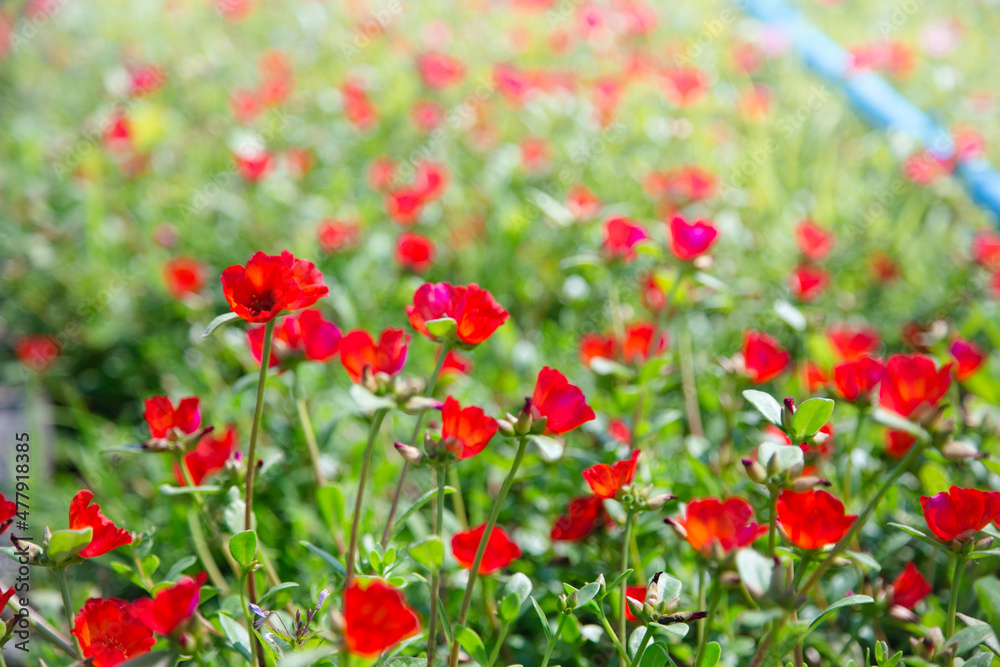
x=969, y=638
x=307, y=658
x=865, y=560
x=237, y=635
x=920, y=535
x=218, y=322
x=154, y=659
x=765, y=404
x=618, y=580
x=285, y=585
x=934, y=478
x=792, y=316
x=979, y=660
x=417, y=504
x=542, y=617
x=331, y=504
x=844, y=602
x=518, y=585
x=788, y=455
x=369, y=402
x=713, y=652
x=441, y=328
x=755, y=570
x=607, y=367
x=330, y=559
x=635, y=639
x=897, y=423
x=472, y=644
x=655, y=656
x=64, y=544
x=243, y=547
x=234, y=510
x=178, y=568
x=510, y=607
x=550, y=448
x=586, y=594
x=429, y=552
x=171, y=490
x=811, y=416
x=790, y=635
x=988, y=590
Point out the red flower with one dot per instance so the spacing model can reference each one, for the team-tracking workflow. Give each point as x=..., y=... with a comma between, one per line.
x=968, y=356
x=5, y=597
x=109, y=633
x=884, y=270
x=897, y=443
x=986, y=250
x=638, y=345
x=853, y=341
x=535, y=154
x=857, y=379
x=37, y=352
x=456, y=363
x=168, y=422
x=476, y=313
x=814, y=242
x=688, y=241
x=381, y=173
x=813, y=519
x=269, y=284
x=500, y=552
x=298, y=162
x=184, y=276
x=171, y=606
x=244, y=105
x=621, y=235
x=429, y=180
x=277, y=78
x=685, y=86
x=404, y=205
x=581, y=202
x=620, y=431
x=8, y=511
x=208, y=457
x=415, y=252
x=594, y=345
x=106, y=536
x=146, y=79
x=813, y=377
x=562, y=403
x=912, y=381
x=605, y=480
x=651, y=295
x=302, y=335
x=426, y=115
x=958, y=514
x=359, y=351
x=439, y=70
x=807, y=282
x=253, y=166
x=334, y=235
x=465, y=431
x=636, y=593
x=910, y=587
x=582, y=516
x=358, y=109
x=763, y=357
x=728, y=523
x=376, y=617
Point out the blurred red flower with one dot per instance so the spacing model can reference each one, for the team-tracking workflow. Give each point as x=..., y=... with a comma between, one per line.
x=270, y=284
x=277, y=78
x=359, y=351
x=244, y=105
x=620, y=431
x=685, y=86
x=208, y=457
x=358, y=109
x=253, y=165
x=581, y=203
x=813, y=519
x=465, y=431
x=651, y=295
x=958, y=514
x=184, y=276
x=426, y=115
x=8, y=510
x=581, y=518
x=170, y=607
x=986, y=250
x=109, y=633
x=414, y=252
x=605, y=480
x=621, y=235
x=439, y=70
x=562, y=404
x=814, y=241
x=304, y=335
x=912, y=381
x=638, y=345
x=376, y=617
x=500, y=552
x=807, y=282
x=853, y=341
x=688, y=241
x=106, y=536
x=763, y=357
x=145, y=79
x=710, y=521
x=454, y=362
x=475, y=312
x=165, y=421
x=381, y=173
x=910, y=587
x=37, y=352
x=856, y=379
x=968, y=357
x=430, y=180
x=335, y=235
x=404, y=205
x=897, y=443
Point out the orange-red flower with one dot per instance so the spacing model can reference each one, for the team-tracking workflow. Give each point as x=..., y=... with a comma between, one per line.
x=166, y=421
x=414, y=252
x=336, y=235
x=813, y=519
x=605, y=480
x=359, y=351
x=475, y=312
x=302, y=335
x=8, y=510
x=636, y=347
x=358, y=108
x=465, y=431
x=897, y=443
x=109, y=633
x=404, y=205
x=958, y=514
x=582, y=516
x=581, y=203
x=106, y=536
x=852, y=342
x=454, y=362
x=621, y=236
x=807, y=282
x=688, y=241
x=184, y=276
x=910, y=587
x=594, y=345
x=170, y=607
x=856, y=379
x=500, y=552
x=710, y=521
x=376, y=617
x=37, y=352
x=968, y=358
x=763, y=357
x=208, y=457
x=270, y=284
x=912, y=381
x=814, y=241
x=561, y=403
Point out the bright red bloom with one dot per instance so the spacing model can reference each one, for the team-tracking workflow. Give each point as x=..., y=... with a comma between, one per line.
x=465, y=431
x=986, y=250
x=414, y=252
x=106, y=537
x=958, y=514
x=404, y=205
x=146, y=79
x=968, y=356
x=165, y=421
x=636, y=593
x=562, y=403
x=476, y=313
x=439, y=70
x=334, y=235
x=359, y=351
x=454, y=362
x=8, y=511
x=853, y=341
x=376, y=617
x=37, y=352
x=109, y=633
x=813, y=376
x=638, y=345
x=581, y=203
x=912, y=381
x=164, y=612
x=5, y=596
x=208, y=457
x=253, y=166
x=430, y=180
x=728, y=523
x=620, y=431
x=688, y=241
x=910, y=587
x=814, y=241
x=763, y=357
x=897, y=443
x=857, y=379
x=807, y=282
x=593, y=345
x=685, y=86
x=358, y=109
x=605, y=480
x=302, y=335
x=581, y=518
x=621, y=235
x=813, y=519
x=500, y=552
x=184, y=276
x=269, y=284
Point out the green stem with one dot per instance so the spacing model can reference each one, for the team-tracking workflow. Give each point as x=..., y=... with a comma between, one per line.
x=463, y=614
x=496, y=649
x=551, y=643
x=637, y=658
x=431, y=384
x=309, y=433
x=848, y=464
x=457, y=502
x=60, y=573
x=360, y=499
x=204, y=553
x=688, y=381
x=772, y=522
x=713, y=603
x=614, y=637
x=441, y=473
x=39, y=625
x=956, y=582
x=622, y=566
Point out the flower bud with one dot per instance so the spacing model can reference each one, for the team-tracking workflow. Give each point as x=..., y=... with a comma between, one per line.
x=984, y=544
x=506, y=428
x=755, y=471
x=637, y=608
x=955, y=450
x=602, y=583
x=656, y=502
x=410, y=454
x=803, y=484
x=524, y=419
x=683, y=617
x=787, y=412
x=773, y=465
x=653, y=590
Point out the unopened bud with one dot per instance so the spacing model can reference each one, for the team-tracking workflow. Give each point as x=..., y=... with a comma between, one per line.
x=803, y=484
x=524, y=419
x=417, y=404
x=539, y=425
x=602, y=583
x=505, y=428
x=653, y=590
x=636, y=607
x=656, y=502
x=955, y=450
x=787, y=412
x=755, y=471
x=678, y=528
x=818, y=438
x=773, y=465
x=410, y=454
x=984, y=544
